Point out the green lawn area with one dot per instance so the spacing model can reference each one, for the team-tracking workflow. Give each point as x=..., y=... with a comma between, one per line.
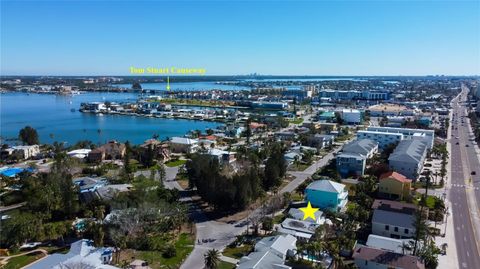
x=175, y=163
x=237, y=252
x=296, y=196
x=225, y=265
x=299, y=167
x=430, y=200
x=296, y=121
x=21, y=261
x=184, y=245
x=278, y=219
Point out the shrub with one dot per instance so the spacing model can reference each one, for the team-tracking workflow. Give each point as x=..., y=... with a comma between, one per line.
x=169, y=251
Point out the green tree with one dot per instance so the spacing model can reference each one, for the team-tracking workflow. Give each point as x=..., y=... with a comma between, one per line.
x=212, y=259
x=28, y=136
x=267, y=224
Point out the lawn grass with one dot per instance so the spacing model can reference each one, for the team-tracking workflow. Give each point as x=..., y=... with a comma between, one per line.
x=296, y=197
x=299, y=167
x=237, y=252
x=296, y=121
x=278, y=219
x=430, y=203
x=183, y=245
x=21, y=261
x=175, y=163
x=226, y=265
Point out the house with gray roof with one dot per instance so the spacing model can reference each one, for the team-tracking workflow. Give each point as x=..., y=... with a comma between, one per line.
x=367, y=258
x=270, y=253
x=393, y=219
x=327, y=194
x=364, y=147
x=82, y=254
x=408, y=157
x=353, y=158
x=390, y=244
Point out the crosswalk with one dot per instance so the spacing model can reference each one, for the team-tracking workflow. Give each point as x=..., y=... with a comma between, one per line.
x=464, y=186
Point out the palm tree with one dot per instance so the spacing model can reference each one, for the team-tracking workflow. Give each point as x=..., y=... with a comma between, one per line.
x=211, y=259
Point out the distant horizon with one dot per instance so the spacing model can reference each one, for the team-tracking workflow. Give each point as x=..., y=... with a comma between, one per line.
x=241, y=75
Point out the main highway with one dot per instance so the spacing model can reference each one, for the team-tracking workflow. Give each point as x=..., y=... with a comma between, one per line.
x=465, y=186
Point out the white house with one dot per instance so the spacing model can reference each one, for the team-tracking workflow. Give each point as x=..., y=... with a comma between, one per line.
x=82, y=254
x=183, y=145
x=270, y=253
x=26, y=152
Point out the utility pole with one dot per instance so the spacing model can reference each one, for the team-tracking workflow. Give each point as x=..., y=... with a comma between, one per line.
x=446, y=221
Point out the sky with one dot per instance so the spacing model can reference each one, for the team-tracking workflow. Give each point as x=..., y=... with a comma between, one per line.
x=241, y=37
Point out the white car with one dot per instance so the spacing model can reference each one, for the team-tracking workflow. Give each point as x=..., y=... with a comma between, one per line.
x=30, y=245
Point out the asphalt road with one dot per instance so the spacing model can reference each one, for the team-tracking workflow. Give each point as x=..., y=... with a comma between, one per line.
x=465, y=213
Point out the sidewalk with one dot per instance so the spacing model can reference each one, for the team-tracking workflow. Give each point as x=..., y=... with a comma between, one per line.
x=450, y=260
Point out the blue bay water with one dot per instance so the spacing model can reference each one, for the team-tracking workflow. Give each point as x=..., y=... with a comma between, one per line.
x=185, y=86
x=51, y=115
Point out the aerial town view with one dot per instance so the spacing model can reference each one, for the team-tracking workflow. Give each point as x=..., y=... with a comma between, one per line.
x=240, y=134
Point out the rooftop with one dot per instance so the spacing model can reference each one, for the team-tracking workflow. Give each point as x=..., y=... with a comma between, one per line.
x=396, y=176
x=327, y=186
x=388, y=258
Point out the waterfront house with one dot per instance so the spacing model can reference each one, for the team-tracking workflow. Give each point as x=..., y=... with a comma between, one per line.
x=222, y=156
x=327, y=194
x=394, y=185
x=371, y=258
x=183, y=145
x=21, y=152
x=79, y=153
x=160, y=149
x=393, y=219
x=110, y=151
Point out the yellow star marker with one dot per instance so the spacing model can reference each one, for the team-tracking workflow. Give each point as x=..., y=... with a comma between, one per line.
x=309, y=212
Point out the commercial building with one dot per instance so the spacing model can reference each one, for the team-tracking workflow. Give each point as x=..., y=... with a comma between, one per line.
x=384, y=139
x=351, y=116
x=383, y=110
x=408, y=157
x=353, y=95
x=327, y=194
x=408, y=133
